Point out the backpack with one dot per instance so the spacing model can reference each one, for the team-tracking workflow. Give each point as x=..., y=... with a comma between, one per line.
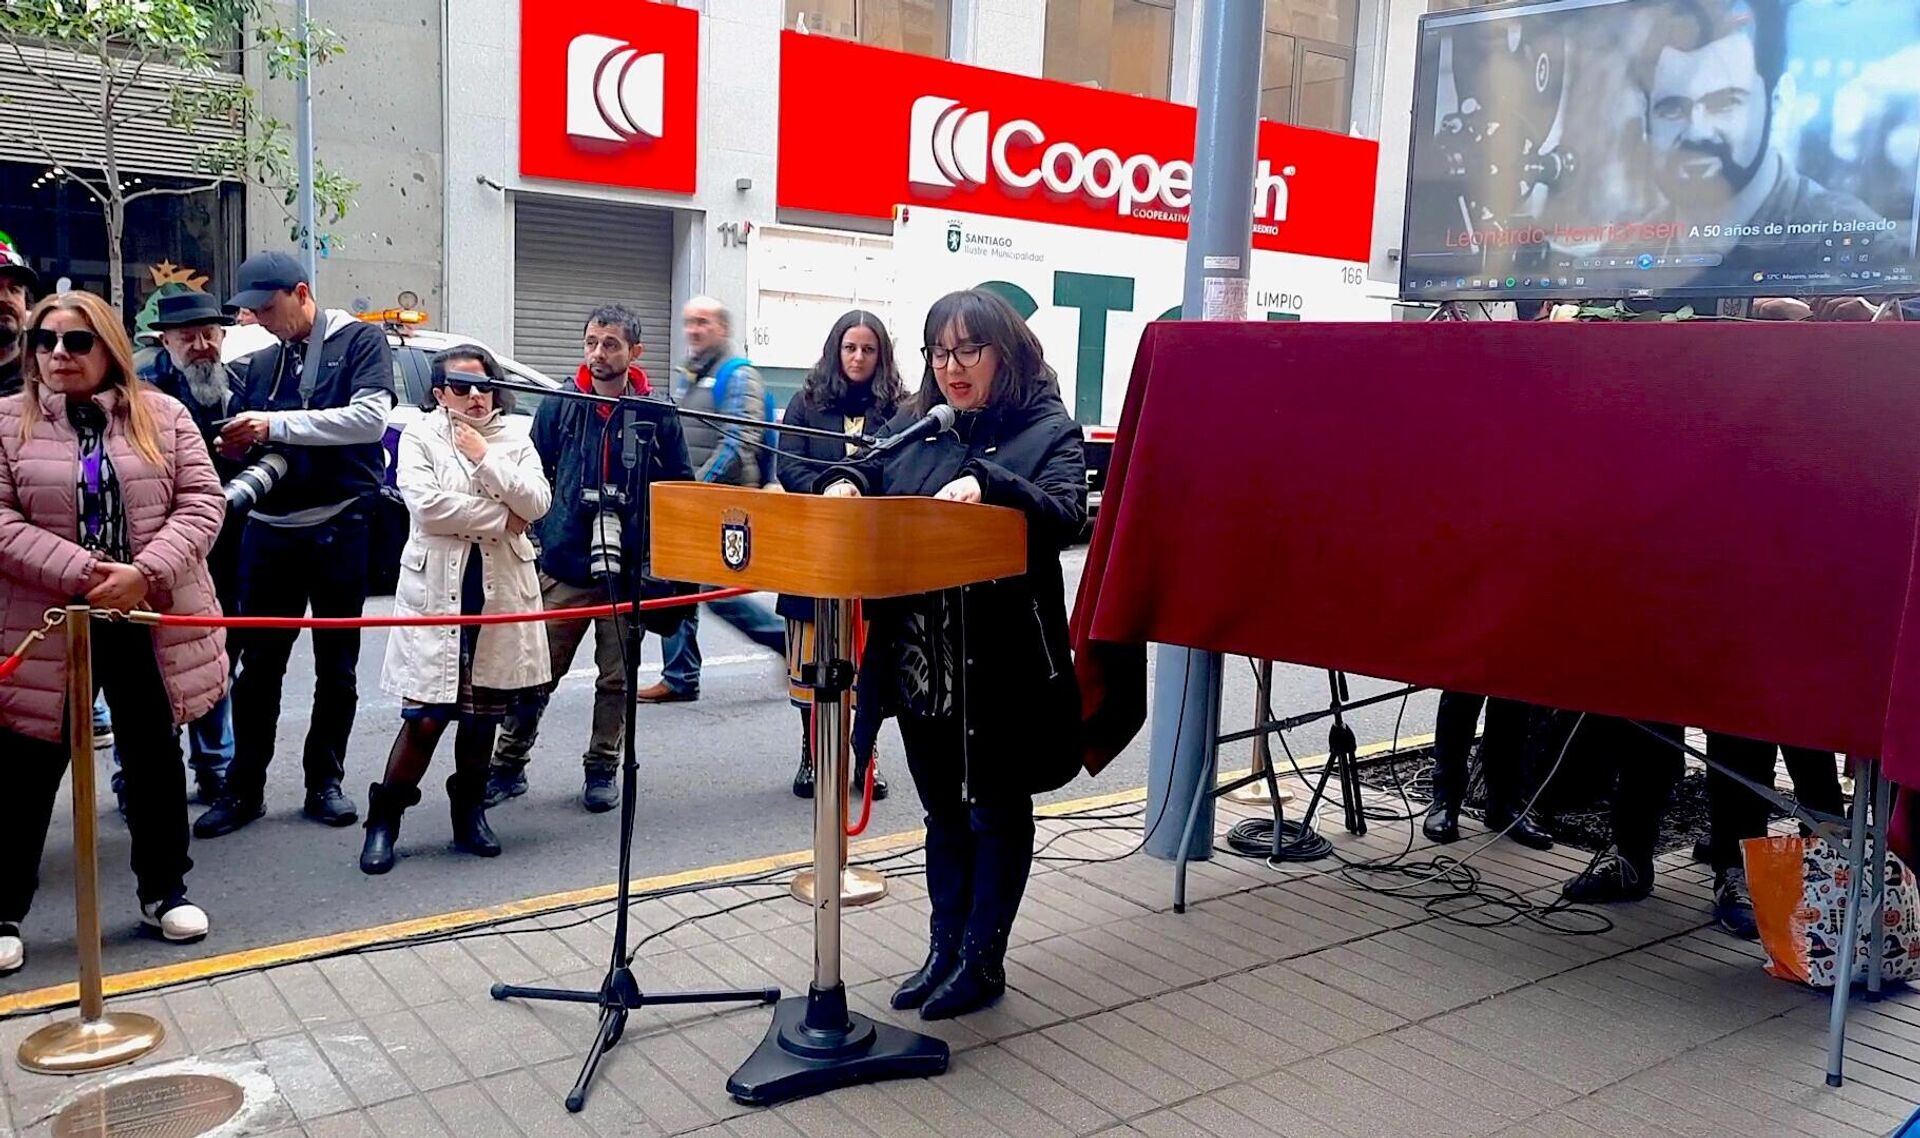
x=768, y=411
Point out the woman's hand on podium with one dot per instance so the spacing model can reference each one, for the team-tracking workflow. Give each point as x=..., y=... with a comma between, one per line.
x=965, y=488
x=841, y=489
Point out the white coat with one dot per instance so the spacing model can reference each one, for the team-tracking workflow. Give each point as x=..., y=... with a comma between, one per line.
x=453, y=505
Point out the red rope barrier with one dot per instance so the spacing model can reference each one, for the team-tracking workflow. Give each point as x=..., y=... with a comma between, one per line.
x=590, y=612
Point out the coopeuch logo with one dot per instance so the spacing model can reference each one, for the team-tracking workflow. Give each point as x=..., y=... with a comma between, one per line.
x=614, y=93
x=949, y=144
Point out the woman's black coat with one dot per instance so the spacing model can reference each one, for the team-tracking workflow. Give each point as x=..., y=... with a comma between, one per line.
x=803, y=457
x=1016, y=689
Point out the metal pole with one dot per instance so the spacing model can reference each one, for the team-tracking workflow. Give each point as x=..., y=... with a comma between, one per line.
x=831, y=642
x=303, y=139
x=859, y=885
x=1863, y=786
x=96, y=1040
x=1261, y=791
x=1186, y=696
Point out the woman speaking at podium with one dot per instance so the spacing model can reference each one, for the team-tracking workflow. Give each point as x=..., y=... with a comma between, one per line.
x=979, y=677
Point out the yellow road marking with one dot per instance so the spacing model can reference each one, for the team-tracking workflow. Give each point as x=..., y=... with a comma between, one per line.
x=291, y=952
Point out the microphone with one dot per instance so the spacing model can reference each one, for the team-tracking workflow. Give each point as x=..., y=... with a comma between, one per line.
x=939, y=419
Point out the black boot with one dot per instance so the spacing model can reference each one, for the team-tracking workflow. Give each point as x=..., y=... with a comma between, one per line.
x=466, y=800
x=803, y=775
x=385, y=804
x=943, y=960
x=978, y=980
x=859, y=783
x=1520, y=827
x=1443, y=823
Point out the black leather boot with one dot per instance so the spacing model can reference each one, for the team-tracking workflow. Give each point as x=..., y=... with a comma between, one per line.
x=1442, y=824
x=385, y=804
x=1520, y=827
x=466, y=801
x=943, y=959
x=978, y=980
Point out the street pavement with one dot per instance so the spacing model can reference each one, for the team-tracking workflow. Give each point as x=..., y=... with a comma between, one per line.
x=714, y=789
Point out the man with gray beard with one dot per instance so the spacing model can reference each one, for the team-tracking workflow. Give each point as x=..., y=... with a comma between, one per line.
x=192, y=328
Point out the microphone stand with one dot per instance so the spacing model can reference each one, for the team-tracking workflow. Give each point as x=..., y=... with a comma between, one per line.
x=619, y=993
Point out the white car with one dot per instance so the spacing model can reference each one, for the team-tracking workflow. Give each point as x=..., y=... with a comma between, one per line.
x=413, y=352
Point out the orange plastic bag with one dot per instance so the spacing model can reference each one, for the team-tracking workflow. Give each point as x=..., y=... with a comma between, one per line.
x=1800, y=894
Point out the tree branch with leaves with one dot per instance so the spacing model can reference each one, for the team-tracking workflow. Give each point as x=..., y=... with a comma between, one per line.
x=153, y=59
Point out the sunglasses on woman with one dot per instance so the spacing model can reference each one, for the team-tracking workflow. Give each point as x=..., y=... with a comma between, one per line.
x=79, y=341
x=464, y=389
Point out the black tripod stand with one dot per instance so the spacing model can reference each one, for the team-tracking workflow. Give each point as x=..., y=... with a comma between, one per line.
x=620, y=993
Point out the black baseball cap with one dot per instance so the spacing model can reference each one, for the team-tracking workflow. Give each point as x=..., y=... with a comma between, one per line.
x=264, y=274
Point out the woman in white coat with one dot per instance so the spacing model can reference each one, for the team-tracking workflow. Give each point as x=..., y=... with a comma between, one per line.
x=472, y=483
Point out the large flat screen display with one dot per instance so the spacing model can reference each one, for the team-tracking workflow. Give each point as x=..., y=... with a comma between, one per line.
x=1626, y=148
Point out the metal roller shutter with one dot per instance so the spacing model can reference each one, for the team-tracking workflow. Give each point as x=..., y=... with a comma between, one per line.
x=571, y=255
x=146, y=141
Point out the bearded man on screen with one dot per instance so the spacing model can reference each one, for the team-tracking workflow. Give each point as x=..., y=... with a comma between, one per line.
x=1714, y=75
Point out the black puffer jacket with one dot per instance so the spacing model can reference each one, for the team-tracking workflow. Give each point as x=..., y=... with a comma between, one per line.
x=1015, y=685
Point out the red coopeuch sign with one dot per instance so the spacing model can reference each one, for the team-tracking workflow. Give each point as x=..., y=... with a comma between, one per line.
x=988, y=142
x=609, y=93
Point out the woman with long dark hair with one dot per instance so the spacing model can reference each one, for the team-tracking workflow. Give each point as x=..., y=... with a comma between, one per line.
x=107, y=494
x=980, y=677
x=854, y=388
x=473, y=483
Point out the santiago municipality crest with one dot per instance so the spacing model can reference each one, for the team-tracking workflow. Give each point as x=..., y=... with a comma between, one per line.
x=953, y=237
x=736, y=539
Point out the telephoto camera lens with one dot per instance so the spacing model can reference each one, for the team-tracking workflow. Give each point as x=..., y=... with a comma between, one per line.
x=603, y=547
x=255, y=482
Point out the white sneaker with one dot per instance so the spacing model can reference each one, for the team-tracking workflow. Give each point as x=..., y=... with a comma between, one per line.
x=178, y=921
x=13, y=950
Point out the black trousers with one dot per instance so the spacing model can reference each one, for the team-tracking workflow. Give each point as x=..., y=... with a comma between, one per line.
x=1503, y=750
x=979, y=854
x=1649, y=763
x=1734, y=812
x=283, y=573
x=127, y=670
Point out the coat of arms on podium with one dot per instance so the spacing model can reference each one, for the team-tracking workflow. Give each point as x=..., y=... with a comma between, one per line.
x=736, y=539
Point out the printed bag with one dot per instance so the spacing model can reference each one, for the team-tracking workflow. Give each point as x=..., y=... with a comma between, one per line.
x=1800, y=893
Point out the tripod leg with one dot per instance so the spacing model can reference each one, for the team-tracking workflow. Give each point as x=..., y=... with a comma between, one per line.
x=557, y=995
x=613, y=1024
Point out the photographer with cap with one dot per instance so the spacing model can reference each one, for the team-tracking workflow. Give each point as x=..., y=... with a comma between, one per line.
x=318, y=402
x=17, y=282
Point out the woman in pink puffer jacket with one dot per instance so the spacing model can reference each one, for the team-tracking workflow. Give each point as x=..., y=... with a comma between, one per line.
x=107, y=493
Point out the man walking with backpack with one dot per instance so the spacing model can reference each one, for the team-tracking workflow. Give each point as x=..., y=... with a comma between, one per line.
x=716, y=378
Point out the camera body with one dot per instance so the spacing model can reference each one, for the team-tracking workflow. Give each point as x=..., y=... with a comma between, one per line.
x=605, y=538
x=255, y=482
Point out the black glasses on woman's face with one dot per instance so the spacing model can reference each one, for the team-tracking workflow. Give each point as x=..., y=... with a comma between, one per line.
x=78, y=341
x=966, y=354
x=464, y=389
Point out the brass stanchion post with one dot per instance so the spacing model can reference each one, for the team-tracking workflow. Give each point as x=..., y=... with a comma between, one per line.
x=98, y=1039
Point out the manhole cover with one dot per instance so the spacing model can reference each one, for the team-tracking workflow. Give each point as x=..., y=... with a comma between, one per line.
x=170, y=1106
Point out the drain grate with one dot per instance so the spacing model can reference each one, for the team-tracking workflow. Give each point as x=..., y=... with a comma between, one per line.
x=167, y=1106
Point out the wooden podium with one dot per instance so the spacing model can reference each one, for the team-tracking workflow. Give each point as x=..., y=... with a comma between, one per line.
x=840, y=550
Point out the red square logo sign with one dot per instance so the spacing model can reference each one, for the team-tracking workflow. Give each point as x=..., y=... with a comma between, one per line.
x=608, y=93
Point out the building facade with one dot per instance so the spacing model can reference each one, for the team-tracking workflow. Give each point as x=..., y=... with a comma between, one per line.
x=478, y=197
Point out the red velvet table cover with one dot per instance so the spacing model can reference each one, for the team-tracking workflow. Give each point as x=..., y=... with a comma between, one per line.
x=1701, y=523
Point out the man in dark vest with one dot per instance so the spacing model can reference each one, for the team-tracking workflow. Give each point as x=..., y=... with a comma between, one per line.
x=318, y=401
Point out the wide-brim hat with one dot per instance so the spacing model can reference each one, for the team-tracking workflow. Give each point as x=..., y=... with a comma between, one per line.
x=185, y=309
